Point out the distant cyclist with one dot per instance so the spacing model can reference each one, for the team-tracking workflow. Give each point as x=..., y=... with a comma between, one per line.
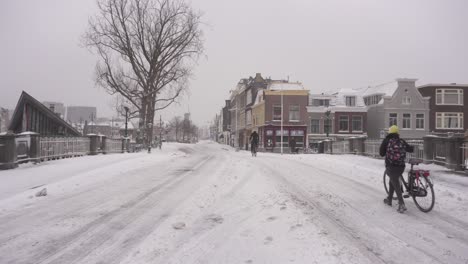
x=394, y=149
x=253, y=142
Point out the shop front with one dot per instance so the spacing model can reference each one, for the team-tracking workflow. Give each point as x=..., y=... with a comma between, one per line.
x=272, y=137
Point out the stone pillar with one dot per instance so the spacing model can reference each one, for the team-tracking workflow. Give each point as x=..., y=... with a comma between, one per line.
x=358, y=145
x=454, y=155
x=8, y=154
x=327, y=145
x=93, y=144
x=103, y=144
x=35, y=147
x=428, y=146
x=124, y=145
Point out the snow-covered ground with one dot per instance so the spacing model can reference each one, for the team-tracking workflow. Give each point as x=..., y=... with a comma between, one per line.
x=206, y=203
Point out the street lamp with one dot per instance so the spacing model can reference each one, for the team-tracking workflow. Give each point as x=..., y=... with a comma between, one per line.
x=126, y=121
x=327, y=119
x=281, y=120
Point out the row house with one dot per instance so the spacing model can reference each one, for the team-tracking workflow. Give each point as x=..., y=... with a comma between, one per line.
x=447, y=107
x=336, y=116
x=417, y=111
x=398, y=103
x=280, y=115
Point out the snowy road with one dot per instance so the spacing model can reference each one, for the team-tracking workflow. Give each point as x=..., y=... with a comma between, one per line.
x=206, y=203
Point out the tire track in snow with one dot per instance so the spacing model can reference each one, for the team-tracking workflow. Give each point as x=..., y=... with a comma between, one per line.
x=86, y=240
x=61, y=243
x=328, y=213
x=447, y=223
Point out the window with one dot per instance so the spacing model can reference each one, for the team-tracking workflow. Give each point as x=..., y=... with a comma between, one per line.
x=350, y=100
x=320, y=102
x=249, y=96
x=357, y=123
x=249, y=117
x=285, y=138
x=372, y=100
x=277, y=113
x=449, y=97
x=315, y=126
x=344, y=123
x=406, y=100
x=392, y=119
x=419, y=121
x=406, y=121
x=294, y=113
x=449, y=120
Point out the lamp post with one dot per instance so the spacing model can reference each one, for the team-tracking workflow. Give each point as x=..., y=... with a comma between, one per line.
x=281, y=120
x=126, y=121
x=327, y=118
x=160, y=132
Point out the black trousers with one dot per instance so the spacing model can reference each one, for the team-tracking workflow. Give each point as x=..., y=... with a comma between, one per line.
x=394, y=174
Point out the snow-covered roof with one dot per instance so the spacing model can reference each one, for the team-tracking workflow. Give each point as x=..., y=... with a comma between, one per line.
x=283, y=85
x=340, y=98
x=443, y=85
x=386, y=89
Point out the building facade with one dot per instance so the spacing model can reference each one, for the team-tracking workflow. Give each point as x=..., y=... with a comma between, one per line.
x=284, y=117
x=56, y=107
x=403, y=106
x=447, y=105
x=80, y=114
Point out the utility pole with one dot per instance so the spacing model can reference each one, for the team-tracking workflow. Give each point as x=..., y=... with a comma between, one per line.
x=160, y=132
x=126, y=121
x=282, y=120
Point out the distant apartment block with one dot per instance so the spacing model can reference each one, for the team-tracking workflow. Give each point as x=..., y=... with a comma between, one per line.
x=4, y=119
x=56, y=107
x=80, y=114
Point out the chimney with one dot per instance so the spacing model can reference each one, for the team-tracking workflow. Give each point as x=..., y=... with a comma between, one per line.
x=52, y=107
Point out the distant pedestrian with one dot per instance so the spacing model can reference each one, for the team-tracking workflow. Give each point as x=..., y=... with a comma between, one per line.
x=292, y=145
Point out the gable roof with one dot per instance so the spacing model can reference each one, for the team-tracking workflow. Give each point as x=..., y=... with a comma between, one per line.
x=26, y=98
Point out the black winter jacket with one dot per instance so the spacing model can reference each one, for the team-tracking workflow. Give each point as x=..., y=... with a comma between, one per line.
x=383, y=147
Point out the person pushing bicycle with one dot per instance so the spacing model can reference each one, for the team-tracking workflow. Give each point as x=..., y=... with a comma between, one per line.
x=394, y=149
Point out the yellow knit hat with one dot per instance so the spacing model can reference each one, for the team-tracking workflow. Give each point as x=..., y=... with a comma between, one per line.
x=393, y=130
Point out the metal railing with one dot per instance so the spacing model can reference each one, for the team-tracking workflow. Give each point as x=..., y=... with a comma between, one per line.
x=113, y=145
x=418, y=152
x=371, y=148
x=465, y=155
x=60, y=147
x=340, y=147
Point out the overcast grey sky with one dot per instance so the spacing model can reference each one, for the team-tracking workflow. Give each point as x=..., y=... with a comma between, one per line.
x=324, y=44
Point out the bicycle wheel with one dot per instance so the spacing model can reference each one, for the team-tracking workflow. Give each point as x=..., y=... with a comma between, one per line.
x=423, y=194
x=386, y=181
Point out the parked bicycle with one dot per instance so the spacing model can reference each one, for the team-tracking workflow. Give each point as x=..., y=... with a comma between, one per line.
x=418, y=185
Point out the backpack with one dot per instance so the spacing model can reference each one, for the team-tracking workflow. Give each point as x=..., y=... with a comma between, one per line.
x=396, y=152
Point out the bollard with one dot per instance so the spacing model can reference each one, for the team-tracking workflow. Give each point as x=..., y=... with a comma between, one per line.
x=93, y=144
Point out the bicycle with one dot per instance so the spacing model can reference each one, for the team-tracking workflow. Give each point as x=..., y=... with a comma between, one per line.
x=418, y=185
x=253, y=149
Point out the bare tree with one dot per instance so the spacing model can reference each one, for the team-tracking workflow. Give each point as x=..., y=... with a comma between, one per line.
x=176, y=126
x=147, y=49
